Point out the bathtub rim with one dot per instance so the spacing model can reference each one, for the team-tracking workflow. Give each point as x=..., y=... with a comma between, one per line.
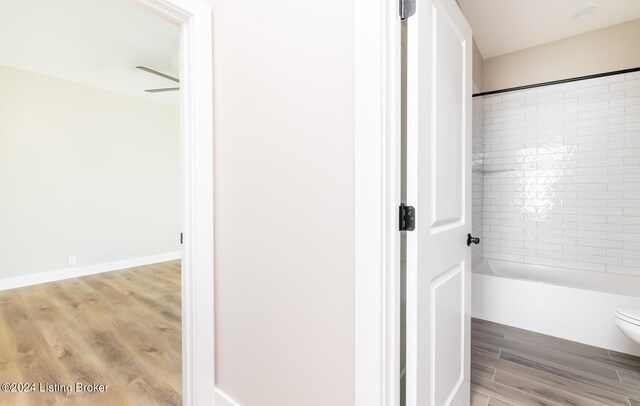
x=588, y=280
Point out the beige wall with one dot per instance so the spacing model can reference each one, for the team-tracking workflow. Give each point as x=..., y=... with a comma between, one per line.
x=608, y=49
x=284, y=111
x=477, y=65
x=83, y=172
x=478, y=68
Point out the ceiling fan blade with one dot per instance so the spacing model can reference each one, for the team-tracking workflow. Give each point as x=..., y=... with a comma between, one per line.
x=166, y=89
x=155, y=72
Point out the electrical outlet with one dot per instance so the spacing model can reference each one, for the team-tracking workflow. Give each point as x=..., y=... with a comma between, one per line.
x=71, y=260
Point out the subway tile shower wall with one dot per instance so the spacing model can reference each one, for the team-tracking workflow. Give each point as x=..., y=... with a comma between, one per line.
x=477, y=177
x=562, y=175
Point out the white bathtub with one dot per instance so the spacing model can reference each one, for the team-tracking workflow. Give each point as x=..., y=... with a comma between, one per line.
x=570, y=304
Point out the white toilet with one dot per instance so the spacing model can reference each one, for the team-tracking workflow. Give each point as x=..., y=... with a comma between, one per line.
x=628, y=321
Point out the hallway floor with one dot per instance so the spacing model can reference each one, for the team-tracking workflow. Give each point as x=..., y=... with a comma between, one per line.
x=121, y=329
x=510, y=366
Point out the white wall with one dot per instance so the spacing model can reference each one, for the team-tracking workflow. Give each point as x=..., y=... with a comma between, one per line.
x=606, y=50
x=284, y=125
x=562, y=175
x=83, y=172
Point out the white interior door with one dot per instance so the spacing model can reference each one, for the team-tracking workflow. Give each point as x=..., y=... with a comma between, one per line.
x=439, y=69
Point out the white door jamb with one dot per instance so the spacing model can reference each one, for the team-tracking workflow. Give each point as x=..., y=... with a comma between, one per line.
x=377, y=188
x=196, y=132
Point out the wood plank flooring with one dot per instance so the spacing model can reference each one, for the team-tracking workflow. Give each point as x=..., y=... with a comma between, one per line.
x=510, y=366
x=121, y=329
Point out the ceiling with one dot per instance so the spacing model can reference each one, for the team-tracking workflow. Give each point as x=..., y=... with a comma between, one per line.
x=504, y=26
x=96, y=43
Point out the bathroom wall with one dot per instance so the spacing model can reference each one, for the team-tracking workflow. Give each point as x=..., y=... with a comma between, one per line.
x=477, y=177
x=478, y=68
x=562, y=175
x=606, y=50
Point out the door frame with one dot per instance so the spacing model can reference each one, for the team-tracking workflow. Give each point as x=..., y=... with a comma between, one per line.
x=377, y=74
x=196, y=139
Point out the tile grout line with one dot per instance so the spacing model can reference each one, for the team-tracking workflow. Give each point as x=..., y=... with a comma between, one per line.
x=569, y=367
x=563, y=364
x=547, y=385
x=567, y=378
x=587, y=384
x=499, y=397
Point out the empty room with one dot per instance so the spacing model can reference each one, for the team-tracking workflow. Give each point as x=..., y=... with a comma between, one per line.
x=91, y=201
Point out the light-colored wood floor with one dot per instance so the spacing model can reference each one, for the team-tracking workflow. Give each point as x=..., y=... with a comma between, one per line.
x=121, y=329
x=510, y=366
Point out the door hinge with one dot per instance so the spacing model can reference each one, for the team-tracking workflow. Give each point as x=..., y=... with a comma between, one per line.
x=407, y=218
x=407, y=8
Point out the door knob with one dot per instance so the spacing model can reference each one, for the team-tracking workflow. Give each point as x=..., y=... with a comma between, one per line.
x=471, y=239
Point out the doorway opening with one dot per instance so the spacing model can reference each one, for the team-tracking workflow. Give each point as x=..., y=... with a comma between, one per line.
x=105, y=172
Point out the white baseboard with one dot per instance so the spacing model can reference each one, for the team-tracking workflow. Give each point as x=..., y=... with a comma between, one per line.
x=74, y=272
x=222, y=399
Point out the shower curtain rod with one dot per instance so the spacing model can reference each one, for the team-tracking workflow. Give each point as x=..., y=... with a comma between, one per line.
x=555, y=82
